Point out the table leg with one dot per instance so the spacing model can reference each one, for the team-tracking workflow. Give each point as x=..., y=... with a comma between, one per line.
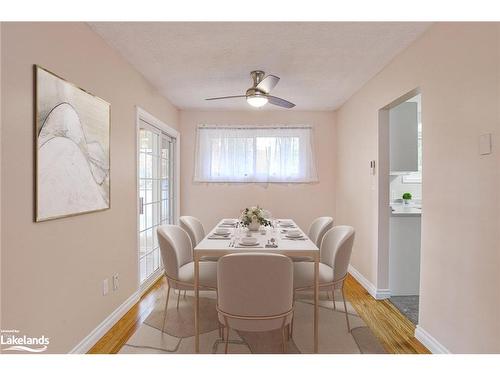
x=197, y=305
x=316, y=303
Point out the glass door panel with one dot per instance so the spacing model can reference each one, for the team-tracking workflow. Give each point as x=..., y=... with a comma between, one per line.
x=155, y=195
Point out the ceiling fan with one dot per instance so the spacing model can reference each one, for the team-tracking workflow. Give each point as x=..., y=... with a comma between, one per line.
x=258, y=94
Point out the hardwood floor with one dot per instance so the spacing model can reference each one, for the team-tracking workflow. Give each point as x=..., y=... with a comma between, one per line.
x=118, y=335
x=394, y=330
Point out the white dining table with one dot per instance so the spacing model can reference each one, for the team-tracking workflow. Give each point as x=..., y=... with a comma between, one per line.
x=209, y=247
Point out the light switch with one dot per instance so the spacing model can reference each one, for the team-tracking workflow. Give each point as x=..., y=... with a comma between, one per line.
x=485, y=144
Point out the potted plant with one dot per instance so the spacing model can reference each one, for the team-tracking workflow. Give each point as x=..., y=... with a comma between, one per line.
x=253, y=218
x=407, y=198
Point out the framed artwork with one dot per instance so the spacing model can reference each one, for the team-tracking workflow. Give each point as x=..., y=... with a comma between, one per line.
x=72, y=132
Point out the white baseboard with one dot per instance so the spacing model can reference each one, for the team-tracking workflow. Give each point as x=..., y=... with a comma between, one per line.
x=434, y=346
x=372, y=289
x=94, y=336
x=152, y=279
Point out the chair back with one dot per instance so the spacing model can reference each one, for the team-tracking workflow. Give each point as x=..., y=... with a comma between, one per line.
x=336, y=249
x=193, y=227
x=318, y=228
x=175, y=247
x=255, y=285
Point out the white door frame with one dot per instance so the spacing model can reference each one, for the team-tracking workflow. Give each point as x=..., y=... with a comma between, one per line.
x=382, y=282
x=141, y=114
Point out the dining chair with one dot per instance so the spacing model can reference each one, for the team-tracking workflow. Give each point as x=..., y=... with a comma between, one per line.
x=316, y=232
x=177, y=256
x=318, y=228
x=193, y=227
x=196, y=232
x=335, y=255
x=255, y=293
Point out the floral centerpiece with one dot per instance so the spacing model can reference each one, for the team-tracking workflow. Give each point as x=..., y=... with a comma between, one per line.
x=254, y=217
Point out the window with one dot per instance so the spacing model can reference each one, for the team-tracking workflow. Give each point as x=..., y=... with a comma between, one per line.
x=416, y=177
x=254, y=154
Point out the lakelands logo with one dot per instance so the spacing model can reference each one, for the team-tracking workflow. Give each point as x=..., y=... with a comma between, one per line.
x=12, y=340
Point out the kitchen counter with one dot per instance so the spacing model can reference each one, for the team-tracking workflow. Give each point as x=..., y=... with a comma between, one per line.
x=399, y=209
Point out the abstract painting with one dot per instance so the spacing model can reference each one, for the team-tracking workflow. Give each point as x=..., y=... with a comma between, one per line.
x=72, y=149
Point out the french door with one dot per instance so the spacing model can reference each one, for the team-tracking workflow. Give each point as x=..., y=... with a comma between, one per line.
x=156, y=195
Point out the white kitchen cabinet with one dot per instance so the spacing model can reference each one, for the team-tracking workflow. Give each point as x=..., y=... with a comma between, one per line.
x=404, y=252
x=403, y=133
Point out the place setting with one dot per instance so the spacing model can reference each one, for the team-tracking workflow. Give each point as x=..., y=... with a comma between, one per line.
x=288, y=224
x=220, y=234
x=294, y=235
x=229, y=223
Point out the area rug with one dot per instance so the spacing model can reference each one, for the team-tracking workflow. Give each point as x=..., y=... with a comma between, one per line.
x=178, y=335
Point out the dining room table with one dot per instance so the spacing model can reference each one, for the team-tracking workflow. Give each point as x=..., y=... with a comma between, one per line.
x=272, y=239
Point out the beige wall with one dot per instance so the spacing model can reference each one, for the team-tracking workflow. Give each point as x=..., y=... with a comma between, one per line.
x=52, y=271
x=457, y=68
x=302, y=202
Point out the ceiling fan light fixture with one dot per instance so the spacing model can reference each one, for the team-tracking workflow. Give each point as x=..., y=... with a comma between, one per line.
x=257, y=100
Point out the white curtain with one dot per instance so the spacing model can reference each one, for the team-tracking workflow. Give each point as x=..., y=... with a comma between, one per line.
x=255, y=154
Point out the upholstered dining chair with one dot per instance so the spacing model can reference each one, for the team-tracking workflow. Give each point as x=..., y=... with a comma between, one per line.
x=317, y=230
x=335, y=255
x=177, y=256
x=193, y=227
x=255, y=293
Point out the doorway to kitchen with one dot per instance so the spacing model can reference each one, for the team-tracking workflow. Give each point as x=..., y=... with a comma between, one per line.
x=400, y=202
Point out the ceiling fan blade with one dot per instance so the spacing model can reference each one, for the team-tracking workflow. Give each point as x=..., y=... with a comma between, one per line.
x=268, y=83
x=280, y=102
x=227, y=97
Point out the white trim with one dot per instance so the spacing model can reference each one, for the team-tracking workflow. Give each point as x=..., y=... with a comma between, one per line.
x=374, y=292
x=429, y=341
x=88, y=342
x=157, y=275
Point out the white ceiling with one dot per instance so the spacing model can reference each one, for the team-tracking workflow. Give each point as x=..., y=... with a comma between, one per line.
x=320, y=64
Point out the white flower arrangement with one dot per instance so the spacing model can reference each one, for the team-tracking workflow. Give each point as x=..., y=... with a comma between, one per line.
x=253, y=215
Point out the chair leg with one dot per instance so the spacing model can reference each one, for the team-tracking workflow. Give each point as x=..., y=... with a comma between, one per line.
x=221, y=331
x=178, y=298
x=283, y=348
x=165, y=311
x=227, y=339
x=345, y=310
x=333, y=298
x=184, y=294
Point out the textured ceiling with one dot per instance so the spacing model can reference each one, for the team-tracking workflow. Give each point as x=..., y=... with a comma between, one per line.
x=320, y=64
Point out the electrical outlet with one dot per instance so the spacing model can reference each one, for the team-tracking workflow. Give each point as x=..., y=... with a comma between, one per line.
x=105, y=287
x=116, y=283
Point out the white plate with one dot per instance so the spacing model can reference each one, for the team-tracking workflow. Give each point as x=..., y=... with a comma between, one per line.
x=294, y=236
x=248, y=245
x=222, y=231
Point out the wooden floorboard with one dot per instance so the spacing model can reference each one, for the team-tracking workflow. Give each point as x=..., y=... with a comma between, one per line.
x=119, y=334
x=393, y=329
